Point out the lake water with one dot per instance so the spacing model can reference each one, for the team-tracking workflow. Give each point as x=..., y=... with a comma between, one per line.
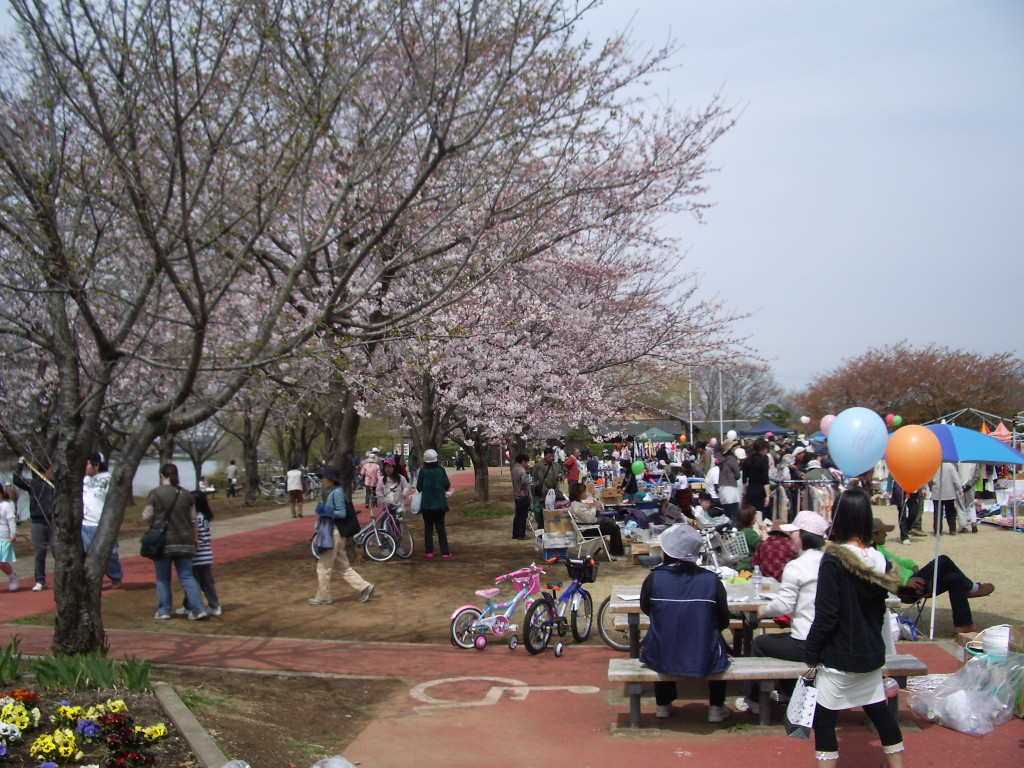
x=147, y=476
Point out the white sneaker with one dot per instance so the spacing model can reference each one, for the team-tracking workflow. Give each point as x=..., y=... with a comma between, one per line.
x=743, y=704
x=718, y=714
x=39, y=587
x=366, y=594
x=13, y=582
x=197, y=616
x=215, y=611
x=182, y=611
x=162, y=616
x=664, y=710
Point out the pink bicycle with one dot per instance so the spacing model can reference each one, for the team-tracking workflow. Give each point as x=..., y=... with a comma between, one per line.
x=470, y=624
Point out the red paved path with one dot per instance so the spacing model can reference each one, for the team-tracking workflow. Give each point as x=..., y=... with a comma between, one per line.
x=521, y=725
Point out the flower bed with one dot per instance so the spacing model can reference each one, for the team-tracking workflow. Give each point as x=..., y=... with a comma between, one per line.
x=54, y=730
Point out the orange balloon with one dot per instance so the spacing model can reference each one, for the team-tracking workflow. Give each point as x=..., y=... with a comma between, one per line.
x=914, y=456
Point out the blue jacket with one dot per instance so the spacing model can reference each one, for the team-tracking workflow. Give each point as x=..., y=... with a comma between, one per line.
x=687, y=606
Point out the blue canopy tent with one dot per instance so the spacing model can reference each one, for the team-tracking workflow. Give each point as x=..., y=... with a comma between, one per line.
x=763, y=427
x=966, y=445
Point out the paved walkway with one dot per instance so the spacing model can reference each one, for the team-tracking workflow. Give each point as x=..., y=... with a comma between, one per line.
x=508, y=708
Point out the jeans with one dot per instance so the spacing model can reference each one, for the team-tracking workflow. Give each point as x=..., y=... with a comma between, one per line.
x=42, y=539
x=114, y=570
x=204, y=577
x=519, y=521
x=183, y=565
x=910, y=515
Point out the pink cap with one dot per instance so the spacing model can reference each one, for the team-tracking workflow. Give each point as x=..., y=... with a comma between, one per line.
x=808, y=521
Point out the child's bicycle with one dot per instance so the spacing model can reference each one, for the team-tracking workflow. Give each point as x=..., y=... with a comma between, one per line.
x=469, y=623
x=574, y=610
x=384, y=536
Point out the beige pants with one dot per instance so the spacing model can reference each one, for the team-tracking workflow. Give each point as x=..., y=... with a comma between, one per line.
x=338, y=557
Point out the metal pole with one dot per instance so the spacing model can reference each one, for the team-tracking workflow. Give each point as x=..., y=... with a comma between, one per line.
x=689, y=388
x=937, y=521
x=721, y=409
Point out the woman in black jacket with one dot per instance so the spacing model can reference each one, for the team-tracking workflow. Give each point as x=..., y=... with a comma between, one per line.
x=845, y=640
x=755, y=474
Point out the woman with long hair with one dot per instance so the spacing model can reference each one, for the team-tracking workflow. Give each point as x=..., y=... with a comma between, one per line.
x=845, y=640
x=8, y=535
x=171, y=505
x=729, y=480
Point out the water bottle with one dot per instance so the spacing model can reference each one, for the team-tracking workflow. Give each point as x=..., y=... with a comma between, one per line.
x=758, y=580
x=892, y=688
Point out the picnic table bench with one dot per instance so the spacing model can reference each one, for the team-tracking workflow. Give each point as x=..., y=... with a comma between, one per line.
x=634, y=673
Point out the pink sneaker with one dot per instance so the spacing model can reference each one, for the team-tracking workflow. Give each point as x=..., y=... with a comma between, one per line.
x=429, y=555
x=446, y=557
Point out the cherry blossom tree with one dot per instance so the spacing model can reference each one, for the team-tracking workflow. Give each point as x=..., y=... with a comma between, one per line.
x=192, y=191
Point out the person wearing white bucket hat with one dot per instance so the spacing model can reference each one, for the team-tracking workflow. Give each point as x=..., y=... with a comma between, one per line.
x=688, y=609
x=434, y=485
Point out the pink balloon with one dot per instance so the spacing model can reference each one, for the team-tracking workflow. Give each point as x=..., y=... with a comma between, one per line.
x=826, y=423
x=889, y=419
x=713, y=441
x=770, y=434
x=805, y=419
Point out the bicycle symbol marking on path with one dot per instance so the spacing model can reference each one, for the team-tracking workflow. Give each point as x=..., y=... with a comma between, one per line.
x=517, y=690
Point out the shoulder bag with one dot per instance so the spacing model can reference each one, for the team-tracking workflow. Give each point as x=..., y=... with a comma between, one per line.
x=154, y=539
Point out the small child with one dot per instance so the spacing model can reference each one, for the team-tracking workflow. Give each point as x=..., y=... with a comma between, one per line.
x=202, y=562
x=8, y=533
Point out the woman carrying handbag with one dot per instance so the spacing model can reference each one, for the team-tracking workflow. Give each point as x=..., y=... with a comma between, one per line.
x=168, y=506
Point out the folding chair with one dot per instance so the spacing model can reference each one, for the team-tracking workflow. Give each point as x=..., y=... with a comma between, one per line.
x=586, y=535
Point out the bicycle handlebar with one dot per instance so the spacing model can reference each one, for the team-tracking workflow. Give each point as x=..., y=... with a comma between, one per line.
x=522, y=572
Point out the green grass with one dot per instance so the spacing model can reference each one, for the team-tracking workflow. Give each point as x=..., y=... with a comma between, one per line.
x=486, y=512
x=192, y=698
x=35, y=620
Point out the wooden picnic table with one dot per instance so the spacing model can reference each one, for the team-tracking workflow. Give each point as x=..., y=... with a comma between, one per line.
x=626, y=599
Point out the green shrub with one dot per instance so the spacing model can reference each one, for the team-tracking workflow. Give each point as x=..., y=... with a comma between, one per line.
x=10, y=662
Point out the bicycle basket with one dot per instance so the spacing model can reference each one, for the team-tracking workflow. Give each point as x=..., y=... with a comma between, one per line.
x=730, y=547
x=584, y=570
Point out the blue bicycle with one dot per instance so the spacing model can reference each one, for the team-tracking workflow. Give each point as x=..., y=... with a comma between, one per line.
x=573, y=610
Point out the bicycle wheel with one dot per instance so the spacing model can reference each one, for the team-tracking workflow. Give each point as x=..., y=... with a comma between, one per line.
x=312, y=546
x=615, y=638
x=379, y=545
x=252, y=496
x=279, y=494
x=463, y=633
x=406, y=543
x=582, y=618
x=538, y=626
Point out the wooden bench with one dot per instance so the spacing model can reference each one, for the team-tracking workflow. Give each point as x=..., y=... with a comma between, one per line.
x=764, y=669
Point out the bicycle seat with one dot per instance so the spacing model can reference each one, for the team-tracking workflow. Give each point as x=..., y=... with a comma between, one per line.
x=553, y=585
x=488, y=592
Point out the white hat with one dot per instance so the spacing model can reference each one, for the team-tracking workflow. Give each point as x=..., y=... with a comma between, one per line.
x=740, y=454
x=808, y=521
x=429, y=456
x=682, y=542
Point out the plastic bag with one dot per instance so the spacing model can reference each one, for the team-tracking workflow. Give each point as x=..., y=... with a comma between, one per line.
x=549, y=499
x=980, y=696
x=417, y=500
x=333, y=762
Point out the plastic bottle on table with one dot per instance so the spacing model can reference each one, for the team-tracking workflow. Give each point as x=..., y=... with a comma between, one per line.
x=758, y=580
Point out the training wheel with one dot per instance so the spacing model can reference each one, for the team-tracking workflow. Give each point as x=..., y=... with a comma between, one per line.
x=513, y=642
x=480, y=642
x=559, y=649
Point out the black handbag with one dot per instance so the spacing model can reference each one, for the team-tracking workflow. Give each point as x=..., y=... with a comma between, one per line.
x=153, y=542
x=154, y=539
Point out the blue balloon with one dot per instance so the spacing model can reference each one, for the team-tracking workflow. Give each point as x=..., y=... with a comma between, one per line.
x=857, y=440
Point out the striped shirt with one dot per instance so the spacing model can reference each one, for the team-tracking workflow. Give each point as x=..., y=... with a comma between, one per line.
x=204, y=552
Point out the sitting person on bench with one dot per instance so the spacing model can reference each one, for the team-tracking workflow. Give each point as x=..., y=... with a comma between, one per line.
x=795, y=597
x=917, y=582
x=688, y=609
x=584, y=514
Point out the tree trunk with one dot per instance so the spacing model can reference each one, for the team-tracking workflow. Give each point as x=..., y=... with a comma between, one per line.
x=344, y=426
x=476, y=446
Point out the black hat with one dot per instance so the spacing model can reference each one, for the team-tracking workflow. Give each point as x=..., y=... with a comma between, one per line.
x=332, y=474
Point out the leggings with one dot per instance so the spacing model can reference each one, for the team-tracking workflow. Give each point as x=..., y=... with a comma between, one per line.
x=827, y=745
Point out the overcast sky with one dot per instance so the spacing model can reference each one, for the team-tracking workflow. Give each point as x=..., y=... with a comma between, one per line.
x=873, y=187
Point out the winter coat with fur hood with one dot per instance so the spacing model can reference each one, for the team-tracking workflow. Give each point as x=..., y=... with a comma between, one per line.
x=849, y=610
